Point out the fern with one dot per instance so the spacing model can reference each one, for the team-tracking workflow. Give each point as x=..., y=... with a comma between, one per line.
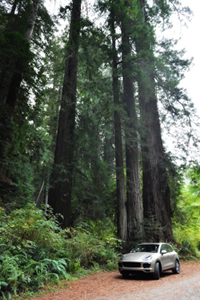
x=3, y=295
x=35, y=250
x=9, y=296
x=58, y=267
x=41, y=269
x=53, y=275
x=3, y=284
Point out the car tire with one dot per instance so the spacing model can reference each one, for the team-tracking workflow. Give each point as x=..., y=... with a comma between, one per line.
x=125, y=274
x=156, y=274
x=176, y=269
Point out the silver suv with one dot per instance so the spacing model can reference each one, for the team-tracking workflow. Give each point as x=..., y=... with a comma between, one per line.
x=152, y=258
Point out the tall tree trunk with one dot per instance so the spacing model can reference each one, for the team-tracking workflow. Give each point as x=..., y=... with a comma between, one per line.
x=134, y=200
x=61, y=189
x=31, y=20
x=156, y=193
x=10, y=82
x=7, y=67
x=11, y=15
x=16, y=80
x=121, y=197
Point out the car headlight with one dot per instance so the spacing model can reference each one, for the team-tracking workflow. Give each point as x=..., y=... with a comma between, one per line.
x=148, y=258
x=122, y=257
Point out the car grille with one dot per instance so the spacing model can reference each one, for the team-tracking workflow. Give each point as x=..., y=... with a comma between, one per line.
x=132, y=264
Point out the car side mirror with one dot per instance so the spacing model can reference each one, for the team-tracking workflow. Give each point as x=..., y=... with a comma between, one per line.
x=163, y=252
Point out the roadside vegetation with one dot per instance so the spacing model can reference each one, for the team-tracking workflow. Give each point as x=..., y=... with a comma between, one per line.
x=36, y=251
x=186, y=226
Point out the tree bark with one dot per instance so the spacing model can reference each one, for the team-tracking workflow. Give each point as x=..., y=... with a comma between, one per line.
x=10, y=81
x=134, y=200
x=11, y=15
x=8, y=67
x=61, y=189
x=31, y=20
x=13, y=81
x=156, y=193
x=121, y=197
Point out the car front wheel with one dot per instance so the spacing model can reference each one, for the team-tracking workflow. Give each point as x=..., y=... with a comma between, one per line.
x=157, y=271
x=125, y=274
x=176, y=269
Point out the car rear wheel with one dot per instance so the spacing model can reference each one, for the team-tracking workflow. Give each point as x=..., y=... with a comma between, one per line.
x=176, y=269
x=157, y=271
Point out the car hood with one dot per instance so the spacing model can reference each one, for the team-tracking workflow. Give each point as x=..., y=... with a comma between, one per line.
x=137, y=256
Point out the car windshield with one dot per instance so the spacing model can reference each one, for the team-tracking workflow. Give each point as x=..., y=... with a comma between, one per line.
x=146, y=248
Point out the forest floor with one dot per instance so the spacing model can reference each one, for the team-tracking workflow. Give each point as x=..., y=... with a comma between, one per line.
x=111, y=286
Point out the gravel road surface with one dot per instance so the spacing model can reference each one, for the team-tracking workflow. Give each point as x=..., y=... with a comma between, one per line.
x=185, y=290
x=111, y=286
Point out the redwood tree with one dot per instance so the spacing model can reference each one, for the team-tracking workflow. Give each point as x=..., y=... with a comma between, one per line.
x=156, y=193
x=134, y=200
x=120, y=180
x=61, y=184
x=15, y=42
x=12, y=78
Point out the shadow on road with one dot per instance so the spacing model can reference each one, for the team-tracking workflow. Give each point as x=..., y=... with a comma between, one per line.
x=143, y=276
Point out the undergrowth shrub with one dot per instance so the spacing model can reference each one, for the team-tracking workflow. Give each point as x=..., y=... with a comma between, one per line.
x=186, y=224
x=86, y=250
x=188, y=245
x=34, y=250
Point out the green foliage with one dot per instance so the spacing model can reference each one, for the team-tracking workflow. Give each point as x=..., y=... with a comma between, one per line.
x=194, y=177
x=90, y=247
x=186, y=222
x=94, y=184
x=30, y=154
x=35, y=250
x=24, y=138
x=14, y=46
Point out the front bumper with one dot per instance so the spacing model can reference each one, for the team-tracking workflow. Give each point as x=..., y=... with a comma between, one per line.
x=133, y=267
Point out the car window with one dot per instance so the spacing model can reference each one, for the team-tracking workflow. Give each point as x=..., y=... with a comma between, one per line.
x=146, y=248
x=163, y=247
x=169, y=248
x=166, y=247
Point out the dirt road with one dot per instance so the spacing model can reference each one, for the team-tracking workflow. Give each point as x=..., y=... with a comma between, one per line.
x=111, y=286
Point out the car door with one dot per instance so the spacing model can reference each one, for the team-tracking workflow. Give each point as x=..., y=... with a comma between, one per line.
x=165, y=257
x=171, y=255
